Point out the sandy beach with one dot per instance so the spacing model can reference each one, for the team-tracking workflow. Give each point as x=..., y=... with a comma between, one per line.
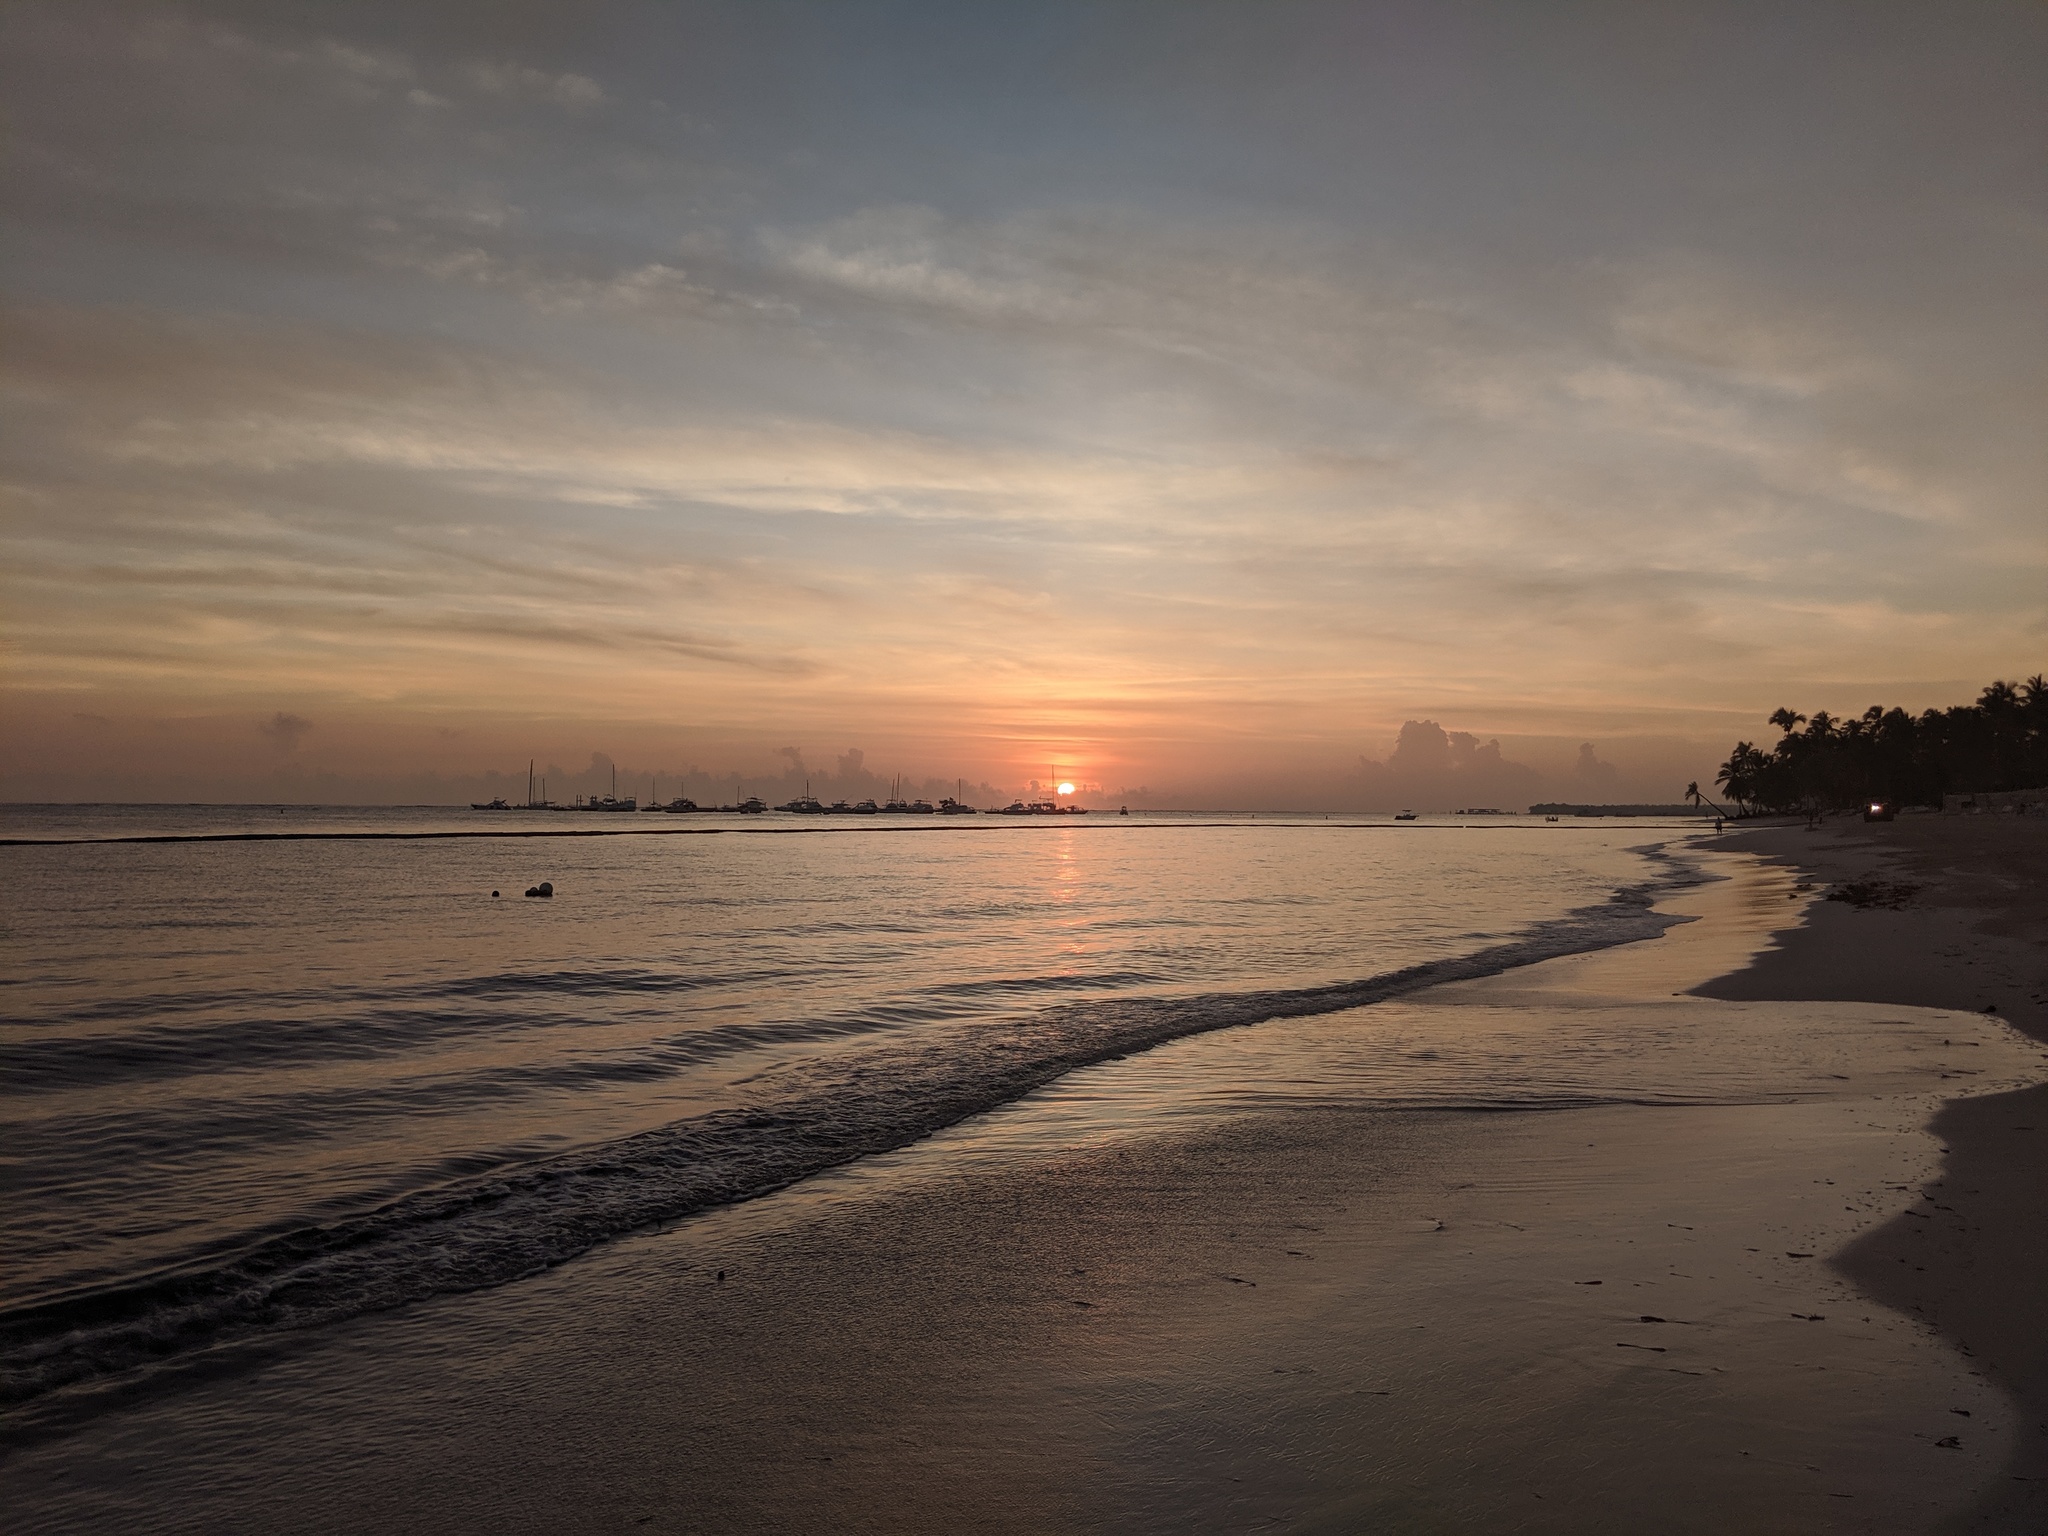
x=1149, y=1298
x=1972, y=1258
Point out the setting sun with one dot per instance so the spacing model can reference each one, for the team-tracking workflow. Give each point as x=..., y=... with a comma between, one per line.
x=1066, y=789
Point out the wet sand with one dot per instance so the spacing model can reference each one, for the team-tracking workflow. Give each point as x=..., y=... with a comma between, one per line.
x=1971, y=1258
x=1175, y=1293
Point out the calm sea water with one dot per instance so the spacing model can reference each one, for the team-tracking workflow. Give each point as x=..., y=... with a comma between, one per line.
x=261, y=1083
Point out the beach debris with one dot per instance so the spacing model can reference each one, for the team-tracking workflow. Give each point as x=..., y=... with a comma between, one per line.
x=1791, y=1255
x=545, y=890
x=1810, y=1317
x=1655, y=1349
x=1963, y=1411
x=1648, y=1318
x=1239, y=1280
x=1585, y=1282
x=1949, y=1443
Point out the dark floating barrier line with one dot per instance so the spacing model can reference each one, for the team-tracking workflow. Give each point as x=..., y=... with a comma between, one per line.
x=863, y=824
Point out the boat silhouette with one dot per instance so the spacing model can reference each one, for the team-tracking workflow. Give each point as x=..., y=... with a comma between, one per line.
x=804, y=804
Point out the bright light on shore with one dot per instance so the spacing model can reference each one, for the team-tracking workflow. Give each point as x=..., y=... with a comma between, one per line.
x=1066, y=789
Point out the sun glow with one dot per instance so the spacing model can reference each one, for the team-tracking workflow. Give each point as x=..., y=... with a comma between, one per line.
x=1066, y=789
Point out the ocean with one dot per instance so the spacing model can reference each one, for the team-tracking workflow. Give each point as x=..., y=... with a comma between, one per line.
x=265, y=1070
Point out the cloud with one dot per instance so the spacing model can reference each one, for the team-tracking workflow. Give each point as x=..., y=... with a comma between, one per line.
x=1592, y=775
x=285, y=731
x=508, y=79
x=1433, y=769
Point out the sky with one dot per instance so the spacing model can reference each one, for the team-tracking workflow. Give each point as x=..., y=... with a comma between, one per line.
x=1284, y=405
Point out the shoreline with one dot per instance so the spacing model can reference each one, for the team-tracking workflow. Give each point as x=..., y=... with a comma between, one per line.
x=1971, y=1257
x=1081, y=1313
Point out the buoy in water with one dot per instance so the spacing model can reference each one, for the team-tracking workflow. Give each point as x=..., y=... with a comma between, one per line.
x=494, y=895
x=545, y=888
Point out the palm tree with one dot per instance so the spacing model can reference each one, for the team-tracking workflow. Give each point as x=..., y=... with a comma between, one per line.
x=1786, y=720
x=1692, y=793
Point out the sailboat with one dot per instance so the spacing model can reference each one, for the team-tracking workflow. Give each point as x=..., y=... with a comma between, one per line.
x=897, y=806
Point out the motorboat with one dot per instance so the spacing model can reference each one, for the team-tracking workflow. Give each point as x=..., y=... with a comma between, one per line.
x=951, y=807
x=753, y=805
x=610, y=802
x=920, y=808
x=500, y=804
x=804, y=805
x=865, y=808
x=1404, y=816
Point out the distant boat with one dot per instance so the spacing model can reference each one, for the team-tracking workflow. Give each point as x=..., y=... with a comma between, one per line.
x=897, y=805
x=753, y=805
x=1550, y=818
x=677, y=805
x=954, y=805
x=1404, y=816
x=1124, y=811
x=804, y=805
x=494, y=805
x=841, y=808
x=865, y=808
x=610, y=802
x=920, y=808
